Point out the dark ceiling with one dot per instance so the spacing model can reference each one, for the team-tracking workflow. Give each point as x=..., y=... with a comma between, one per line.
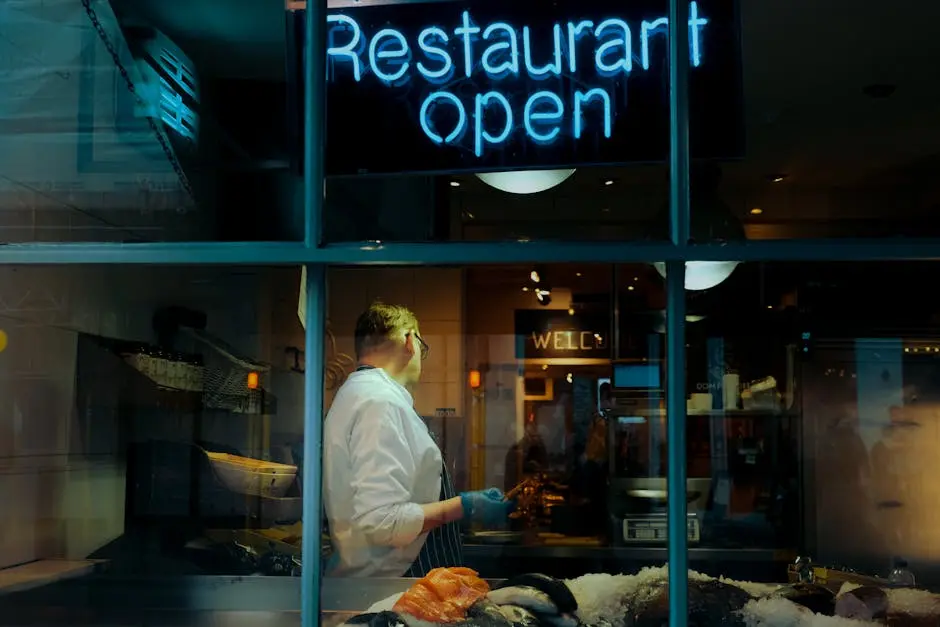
x=807, y=65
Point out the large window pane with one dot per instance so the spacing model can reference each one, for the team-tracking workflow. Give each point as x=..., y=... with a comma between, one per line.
x=564, y=397
x=840, y=134
x=131, y=122
x=484, y=141
x=813, y=414
x=151, y=429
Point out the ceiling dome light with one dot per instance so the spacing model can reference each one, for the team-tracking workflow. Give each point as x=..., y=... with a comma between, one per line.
x=544, y=296
x=702, y=275
x=525, y=181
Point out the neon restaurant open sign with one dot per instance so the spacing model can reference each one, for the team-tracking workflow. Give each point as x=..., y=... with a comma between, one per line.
x=493, y=84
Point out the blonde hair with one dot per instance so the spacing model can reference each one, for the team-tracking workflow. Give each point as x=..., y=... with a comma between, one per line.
x=380, y=322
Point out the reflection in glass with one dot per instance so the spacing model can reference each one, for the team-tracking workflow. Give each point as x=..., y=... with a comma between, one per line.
x=151, y=420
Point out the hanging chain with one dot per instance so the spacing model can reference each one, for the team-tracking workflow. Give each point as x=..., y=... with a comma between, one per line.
x=158, y=133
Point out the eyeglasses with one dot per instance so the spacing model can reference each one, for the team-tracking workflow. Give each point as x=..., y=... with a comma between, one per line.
x=425, y=349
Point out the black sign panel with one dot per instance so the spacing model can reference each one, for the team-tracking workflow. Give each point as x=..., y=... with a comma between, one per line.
x=498, y=84
x=544, y=334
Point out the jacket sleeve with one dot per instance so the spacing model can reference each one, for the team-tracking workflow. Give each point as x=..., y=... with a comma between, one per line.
x=383, y=477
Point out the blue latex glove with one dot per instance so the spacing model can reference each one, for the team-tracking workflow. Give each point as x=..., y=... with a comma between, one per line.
x=486, y=506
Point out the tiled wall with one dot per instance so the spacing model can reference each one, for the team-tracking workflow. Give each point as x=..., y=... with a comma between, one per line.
x=58, y=501
x=435, y=295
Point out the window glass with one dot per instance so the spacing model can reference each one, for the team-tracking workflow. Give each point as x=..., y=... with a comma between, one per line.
x=840, y=138
x=543, y=382
x=135, y=127
x=809, y=423
x=813, y=404
x=539, y=126
x=151, y=429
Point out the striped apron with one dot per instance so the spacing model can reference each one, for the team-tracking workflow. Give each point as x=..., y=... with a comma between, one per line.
x=443, y=547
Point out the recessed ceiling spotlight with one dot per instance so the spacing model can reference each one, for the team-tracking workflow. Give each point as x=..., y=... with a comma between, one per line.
x=577, y=274
x=756, y=211
x=455, y=183
x=609, y=182
x=776, y=178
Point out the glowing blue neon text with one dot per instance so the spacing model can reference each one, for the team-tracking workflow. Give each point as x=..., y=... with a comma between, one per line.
x=502, y=52
x=535, y=119
x=435, y=52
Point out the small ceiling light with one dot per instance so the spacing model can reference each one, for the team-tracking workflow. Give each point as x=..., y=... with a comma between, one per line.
x=609, y=182
x=569, y=377
x=455, y=183
x=578, y=274
x=756, y=211
x=776, y=178
x=630, y=288
x=544, y=297
x=570, y=311
x=525, y=289
x=535, y=276
x=544, y=366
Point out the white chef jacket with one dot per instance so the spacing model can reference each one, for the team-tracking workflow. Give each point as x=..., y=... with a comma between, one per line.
x=379, y=464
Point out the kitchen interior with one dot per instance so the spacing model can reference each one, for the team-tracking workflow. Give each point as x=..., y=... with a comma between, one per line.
x=159, y=432
x=532, y=387
x=812, y=417
x=151, y=420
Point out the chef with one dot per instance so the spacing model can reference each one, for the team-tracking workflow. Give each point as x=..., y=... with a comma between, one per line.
x=391, y=507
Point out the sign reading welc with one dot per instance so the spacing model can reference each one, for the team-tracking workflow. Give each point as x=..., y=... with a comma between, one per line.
x=495, y=84
x=555, y=334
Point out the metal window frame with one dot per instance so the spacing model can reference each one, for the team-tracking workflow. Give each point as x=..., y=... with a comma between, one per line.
x=317, y=256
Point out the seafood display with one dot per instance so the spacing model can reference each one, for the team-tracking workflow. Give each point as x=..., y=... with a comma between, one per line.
x=444, y=595
x=458, y=597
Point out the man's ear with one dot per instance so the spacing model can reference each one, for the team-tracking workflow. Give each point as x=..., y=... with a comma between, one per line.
x=410, y=342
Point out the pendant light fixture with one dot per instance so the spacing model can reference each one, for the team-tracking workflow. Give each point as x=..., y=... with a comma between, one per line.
x=525, y=181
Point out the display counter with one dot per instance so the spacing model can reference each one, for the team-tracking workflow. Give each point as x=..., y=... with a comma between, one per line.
x=275, y=601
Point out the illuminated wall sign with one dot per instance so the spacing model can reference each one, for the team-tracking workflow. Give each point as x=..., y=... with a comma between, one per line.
x=554, y=334
x=434, y=86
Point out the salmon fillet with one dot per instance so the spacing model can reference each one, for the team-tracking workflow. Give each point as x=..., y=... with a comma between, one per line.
x=443, y=596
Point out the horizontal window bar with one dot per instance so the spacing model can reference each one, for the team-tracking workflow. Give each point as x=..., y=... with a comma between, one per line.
x=273, y=253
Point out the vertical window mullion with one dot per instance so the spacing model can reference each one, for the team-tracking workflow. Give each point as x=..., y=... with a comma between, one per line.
x=315, y=303
x=675, y=437
x=314, y=120
x=675, y=312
